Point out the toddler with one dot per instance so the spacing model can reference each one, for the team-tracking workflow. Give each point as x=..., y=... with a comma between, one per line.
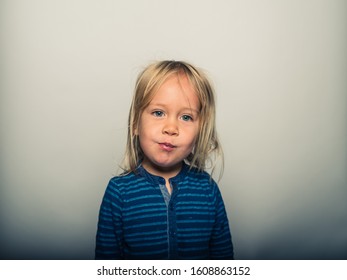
x=165, y=205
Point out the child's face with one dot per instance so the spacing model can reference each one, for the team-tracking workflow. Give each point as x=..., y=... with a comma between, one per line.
x=169, y=126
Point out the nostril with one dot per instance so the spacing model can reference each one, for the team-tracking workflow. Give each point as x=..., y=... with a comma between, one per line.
x=170, y=130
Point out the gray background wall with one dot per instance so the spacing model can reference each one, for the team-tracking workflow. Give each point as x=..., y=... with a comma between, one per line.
x=279, y=68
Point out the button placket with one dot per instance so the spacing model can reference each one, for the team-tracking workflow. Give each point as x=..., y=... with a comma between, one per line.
x=173, y=253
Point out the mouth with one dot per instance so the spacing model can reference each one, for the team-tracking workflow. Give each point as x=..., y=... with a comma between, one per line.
x=167, y=146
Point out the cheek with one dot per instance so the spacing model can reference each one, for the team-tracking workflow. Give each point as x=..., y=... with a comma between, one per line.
x=146, y=132
x=193, y=137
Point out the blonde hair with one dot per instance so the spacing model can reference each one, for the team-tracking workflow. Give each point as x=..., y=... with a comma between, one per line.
x=207, y=146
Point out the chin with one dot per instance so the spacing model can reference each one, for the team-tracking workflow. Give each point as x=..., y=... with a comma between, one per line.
x=167, y=165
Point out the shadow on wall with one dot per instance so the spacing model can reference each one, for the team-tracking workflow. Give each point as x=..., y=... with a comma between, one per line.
x=303, y=241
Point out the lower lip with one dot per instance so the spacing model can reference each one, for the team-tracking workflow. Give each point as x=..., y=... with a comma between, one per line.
x=166, y=147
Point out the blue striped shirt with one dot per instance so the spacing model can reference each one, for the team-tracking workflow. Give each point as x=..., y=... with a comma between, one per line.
x=135, y=222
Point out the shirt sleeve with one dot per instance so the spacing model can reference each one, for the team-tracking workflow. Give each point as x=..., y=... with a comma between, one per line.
x=109, y=236
x=221, y=246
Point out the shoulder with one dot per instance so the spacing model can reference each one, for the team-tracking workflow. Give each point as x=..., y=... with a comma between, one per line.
x=200, y=179
x=123, y=182
x=194, y=173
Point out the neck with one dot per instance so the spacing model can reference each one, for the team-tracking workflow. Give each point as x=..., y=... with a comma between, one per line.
x=165, y=172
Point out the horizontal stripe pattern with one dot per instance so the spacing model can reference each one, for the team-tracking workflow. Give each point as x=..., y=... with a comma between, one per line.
x=135, y=222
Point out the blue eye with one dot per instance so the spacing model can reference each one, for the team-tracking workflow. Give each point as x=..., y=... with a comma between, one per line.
x=158, y=114
x=187, y=118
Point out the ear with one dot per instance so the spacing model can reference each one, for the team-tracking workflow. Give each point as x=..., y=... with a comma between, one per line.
x=136, y=131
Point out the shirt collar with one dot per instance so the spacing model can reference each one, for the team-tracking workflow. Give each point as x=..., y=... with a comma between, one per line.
x=160, y=180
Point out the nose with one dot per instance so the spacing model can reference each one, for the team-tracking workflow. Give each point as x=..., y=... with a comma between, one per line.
x=170, y=128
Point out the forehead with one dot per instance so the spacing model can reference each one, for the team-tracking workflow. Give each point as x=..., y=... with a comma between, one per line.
x=177, y=90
